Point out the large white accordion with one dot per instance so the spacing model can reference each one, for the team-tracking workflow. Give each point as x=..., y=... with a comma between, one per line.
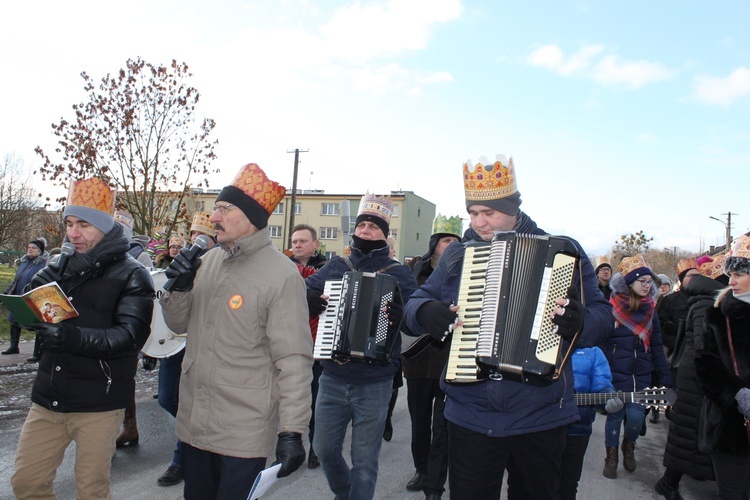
x=354, y=326
x=506, y=293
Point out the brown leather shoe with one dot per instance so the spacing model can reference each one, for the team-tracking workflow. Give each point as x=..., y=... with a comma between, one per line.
x=610, y=463
x=628, y=455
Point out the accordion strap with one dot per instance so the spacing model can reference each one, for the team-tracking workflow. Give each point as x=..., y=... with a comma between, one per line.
x=349, y=263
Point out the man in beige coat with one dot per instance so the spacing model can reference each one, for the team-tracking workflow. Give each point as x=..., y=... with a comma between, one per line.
x=248, y=361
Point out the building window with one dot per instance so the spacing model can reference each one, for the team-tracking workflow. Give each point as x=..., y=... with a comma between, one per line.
x=417, y=236
x=395, y=209
x=201, y=206
x=275, y=231
x=394, y=234
x=328, y=233
x=329, y=209
x=330, y=255
x=297, y=208
x=279, y=208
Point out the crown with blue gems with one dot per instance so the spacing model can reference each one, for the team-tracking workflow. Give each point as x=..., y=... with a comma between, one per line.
x=379, y=206
x=442, y=224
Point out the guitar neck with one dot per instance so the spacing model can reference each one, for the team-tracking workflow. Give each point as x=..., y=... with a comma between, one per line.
x=647, y=398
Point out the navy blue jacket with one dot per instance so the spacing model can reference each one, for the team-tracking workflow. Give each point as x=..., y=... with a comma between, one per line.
x=591, y=374
x=502, y=408
x=360, y=373
x=629, y=361
x=26, y=271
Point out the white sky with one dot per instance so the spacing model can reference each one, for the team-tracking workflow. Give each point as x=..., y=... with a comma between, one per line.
x=620, y=116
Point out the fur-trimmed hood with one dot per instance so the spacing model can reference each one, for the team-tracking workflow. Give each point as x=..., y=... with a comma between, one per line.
x=618, y=285
x=723, y=293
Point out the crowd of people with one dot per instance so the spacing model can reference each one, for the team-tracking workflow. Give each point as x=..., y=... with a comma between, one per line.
x=247, y=386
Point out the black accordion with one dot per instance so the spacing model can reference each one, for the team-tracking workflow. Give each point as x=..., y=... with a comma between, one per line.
x=506, y=293
x=353, y=327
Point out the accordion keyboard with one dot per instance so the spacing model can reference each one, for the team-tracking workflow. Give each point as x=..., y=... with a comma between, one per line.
x=324, y=339
x=462, y=366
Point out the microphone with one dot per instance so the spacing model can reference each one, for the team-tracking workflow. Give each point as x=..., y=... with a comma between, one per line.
x=201, y=243
x=66, y=250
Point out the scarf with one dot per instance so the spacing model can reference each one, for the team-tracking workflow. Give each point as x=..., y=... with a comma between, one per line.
x=638, y=321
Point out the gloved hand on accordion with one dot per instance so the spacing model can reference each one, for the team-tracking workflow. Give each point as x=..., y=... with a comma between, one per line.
x=395, y=311
x=743, y=401
x=436, y=318
x=289, y=453
x=315, y=302
x=58, y=337
x=182, y=270
x=570, y=320
x=614, y=405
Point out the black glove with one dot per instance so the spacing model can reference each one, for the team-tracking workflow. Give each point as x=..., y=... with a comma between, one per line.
x=289, y=453
x=315, y=303
x=571, y=321
x=149, y=363
x=395, y=312
x=436, y=318
x=58, y=337
x=182, y=270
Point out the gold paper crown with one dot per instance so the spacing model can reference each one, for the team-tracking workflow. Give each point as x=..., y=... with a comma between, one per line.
x=202, y=223
x=379, y=206
x=489, y=182
x=741, y=247
x=715, y=268
x=686, y=264
x=442, y=224
x=92, y=193
x=124, y=217
x=177, y=240
x=254, y=183
x=603, y=260
x=629, y=264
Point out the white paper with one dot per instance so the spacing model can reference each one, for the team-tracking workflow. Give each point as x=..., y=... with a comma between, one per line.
x=265, y=480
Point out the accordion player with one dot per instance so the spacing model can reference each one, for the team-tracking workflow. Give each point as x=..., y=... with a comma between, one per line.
x=354, y=326
x=506, y=293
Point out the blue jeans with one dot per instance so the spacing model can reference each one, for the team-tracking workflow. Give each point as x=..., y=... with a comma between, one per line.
x=636, y=415
x=169, y=393
x=366, y=406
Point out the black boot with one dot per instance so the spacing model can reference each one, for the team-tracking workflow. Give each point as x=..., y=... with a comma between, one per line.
x=15, y=336
x=388, y=430
x=37, y=350
x=667, y=490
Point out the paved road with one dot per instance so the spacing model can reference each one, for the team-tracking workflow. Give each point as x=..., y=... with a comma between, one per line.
x=134, y=471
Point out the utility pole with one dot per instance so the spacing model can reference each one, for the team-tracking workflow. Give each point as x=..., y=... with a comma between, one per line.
x=294, y=193
x=728, y=227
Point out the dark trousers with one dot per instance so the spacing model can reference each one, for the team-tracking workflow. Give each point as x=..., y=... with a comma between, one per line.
x=572, y=465
x=212, y=476
x=169, y=393
x=478, y=463
x=429, y=432
x=732, y=475
x=317, y=372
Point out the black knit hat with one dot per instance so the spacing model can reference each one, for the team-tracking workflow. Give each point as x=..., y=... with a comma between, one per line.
x=39, y=243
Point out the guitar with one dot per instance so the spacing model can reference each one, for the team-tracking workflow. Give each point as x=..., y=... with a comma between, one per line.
x=650, y=397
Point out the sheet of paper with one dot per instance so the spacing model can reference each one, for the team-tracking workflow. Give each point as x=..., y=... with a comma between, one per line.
x=265, y=480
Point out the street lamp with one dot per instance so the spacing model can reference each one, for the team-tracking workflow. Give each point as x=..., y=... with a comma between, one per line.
x=728, y=230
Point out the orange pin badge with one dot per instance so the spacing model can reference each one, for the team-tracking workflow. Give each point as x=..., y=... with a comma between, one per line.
x=235, y=302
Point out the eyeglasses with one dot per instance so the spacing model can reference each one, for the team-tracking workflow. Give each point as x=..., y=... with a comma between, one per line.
x=224, y=208
x=175, y=247
x=645, y=282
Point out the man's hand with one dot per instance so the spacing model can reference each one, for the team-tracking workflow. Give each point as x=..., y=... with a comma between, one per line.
x=316, y=302
x=182, y=271
x=437, y=318
x=743, y=401
x=614, y=405
x=395, y=312
x=58, y=337
x=569, y=314
x=289, y=453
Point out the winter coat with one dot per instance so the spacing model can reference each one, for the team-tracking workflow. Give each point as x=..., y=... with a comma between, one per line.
x=722, y=425
x=375, y=260
x=590, y=374
x=317, y=260
x=681, y=453
x=26, y=270
x=248, y=360
x=672, y=309
x=163, y=260
x=630, y=362
x=114, y=296
x=500, y=408
x=138, y=245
